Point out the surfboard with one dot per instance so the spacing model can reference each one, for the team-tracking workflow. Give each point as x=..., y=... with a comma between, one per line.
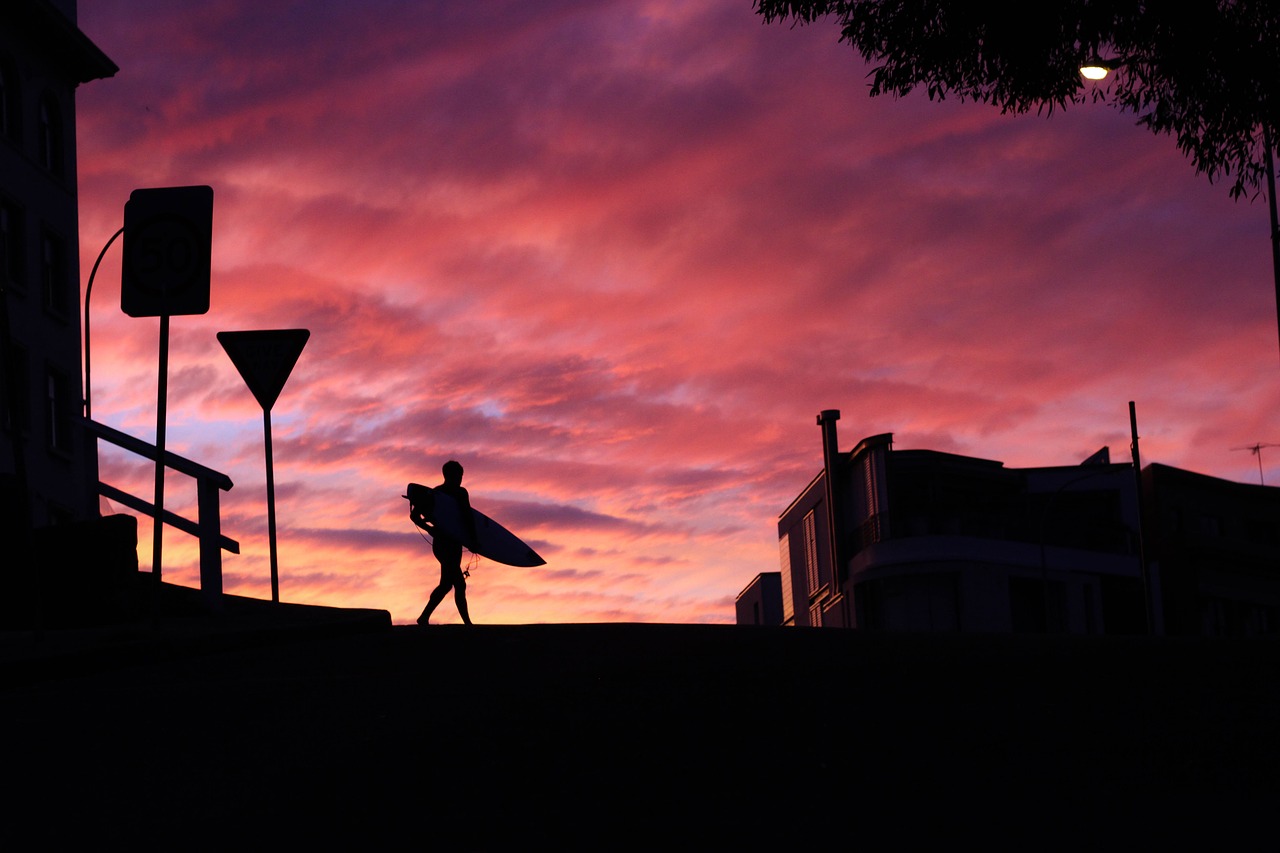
x=496, y=542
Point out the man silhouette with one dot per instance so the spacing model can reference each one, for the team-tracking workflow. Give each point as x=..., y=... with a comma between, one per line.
x=447, y=549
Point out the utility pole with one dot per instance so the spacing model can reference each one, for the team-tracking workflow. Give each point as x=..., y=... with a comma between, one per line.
x=1142, y=519
x=1275, y=219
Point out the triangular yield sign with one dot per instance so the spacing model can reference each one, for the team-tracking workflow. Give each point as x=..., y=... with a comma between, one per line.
x=265, y=359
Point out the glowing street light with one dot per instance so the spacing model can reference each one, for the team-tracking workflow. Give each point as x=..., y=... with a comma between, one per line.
x=1097, y=69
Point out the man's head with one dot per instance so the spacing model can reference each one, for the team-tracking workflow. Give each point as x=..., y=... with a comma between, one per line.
x=452, y=472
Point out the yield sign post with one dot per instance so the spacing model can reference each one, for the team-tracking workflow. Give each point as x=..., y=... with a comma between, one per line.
x=265, y=359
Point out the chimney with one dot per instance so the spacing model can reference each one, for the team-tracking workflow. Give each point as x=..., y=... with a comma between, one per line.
x=830, y=453
x=830, y=447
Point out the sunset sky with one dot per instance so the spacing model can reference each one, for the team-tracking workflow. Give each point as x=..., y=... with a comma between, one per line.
x=615, y=257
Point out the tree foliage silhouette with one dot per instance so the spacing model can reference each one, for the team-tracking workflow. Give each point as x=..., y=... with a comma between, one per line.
x=1203, y=71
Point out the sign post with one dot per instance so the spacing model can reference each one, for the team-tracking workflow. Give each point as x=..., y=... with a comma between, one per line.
x=168, y=235
x=265, y=359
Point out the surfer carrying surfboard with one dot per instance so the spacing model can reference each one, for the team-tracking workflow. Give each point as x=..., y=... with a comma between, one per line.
x=448, y=549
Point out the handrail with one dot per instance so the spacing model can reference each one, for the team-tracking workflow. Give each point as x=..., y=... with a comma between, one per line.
x=171, y=460
x=208, y=524
x=171, y=518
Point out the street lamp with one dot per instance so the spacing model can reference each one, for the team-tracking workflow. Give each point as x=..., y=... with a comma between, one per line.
x=1097, y=69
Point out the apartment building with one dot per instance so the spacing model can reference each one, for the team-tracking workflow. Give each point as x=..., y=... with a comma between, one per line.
x=48, y=464
x=919, y=540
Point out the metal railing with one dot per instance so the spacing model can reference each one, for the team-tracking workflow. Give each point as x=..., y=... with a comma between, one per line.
x=208, y=524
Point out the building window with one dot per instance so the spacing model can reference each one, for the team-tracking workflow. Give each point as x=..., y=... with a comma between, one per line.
x=1035, y=608
x=811, y=552
x=58, y=410
x=11, y=244
x=784, y=557
x=54, y=281
x=1090, y=609
x=14, y=401
x=1229, y=618
x=10, y=109
x=815, y=615
x=1211, y=525
x=51, y=151
x=59, y=514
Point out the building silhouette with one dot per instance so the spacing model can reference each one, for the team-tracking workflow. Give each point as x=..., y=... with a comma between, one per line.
x=918, y=540
x=48, y=462
x=1217, y=546
x=760, y=603
x=61, y=562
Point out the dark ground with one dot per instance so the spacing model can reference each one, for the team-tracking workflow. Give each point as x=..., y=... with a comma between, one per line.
x=330, y=729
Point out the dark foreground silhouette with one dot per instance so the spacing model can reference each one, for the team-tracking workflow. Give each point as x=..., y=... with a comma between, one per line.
x=626, y=736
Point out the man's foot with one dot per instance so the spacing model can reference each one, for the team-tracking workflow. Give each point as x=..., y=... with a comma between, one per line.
x=422, y=620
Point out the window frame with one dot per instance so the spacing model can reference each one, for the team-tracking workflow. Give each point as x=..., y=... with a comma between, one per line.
x=58, y=410
x=13, y=244
x=10, y=101
x=51, y=136
x=55, y=275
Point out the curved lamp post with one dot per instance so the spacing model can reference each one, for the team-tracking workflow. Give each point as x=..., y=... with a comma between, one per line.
x=88, y=291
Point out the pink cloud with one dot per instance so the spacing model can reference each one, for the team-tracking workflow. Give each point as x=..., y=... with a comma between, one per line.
x=615, y=258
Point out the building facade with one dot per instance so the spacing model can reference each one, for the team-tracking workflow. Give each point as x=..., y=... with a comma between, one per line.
x=1216, y=545
x=48, y=464
x=917, y=540
x=761, y=602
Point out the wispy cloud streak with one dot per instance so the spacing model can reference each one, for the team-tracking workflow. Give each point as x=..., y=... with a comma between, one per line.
x=614, y=257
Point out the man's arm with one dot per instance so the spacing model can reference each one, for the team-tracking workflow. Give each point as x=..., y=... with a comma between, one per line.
x=468, y=517
x=420, y=519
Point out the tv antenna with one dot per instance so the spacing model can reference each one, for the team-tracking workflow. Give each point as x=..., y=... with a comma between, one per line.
x=1256, y=450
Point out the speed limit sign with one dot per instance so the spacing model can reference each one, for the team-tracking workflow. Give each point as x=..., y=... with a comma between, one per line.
x=167, y=237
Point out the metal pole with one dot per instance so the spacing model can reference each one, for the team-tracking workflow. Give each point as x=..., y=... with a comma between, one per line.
x=271, y=508
x=88, y=291
x=157, y=534
x=1275, y=219
x=209, y=521
x=1142, y=545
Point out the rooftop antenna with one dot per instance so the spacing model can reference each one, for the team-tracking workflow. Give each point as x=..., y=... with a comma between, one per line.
x=1256, y=450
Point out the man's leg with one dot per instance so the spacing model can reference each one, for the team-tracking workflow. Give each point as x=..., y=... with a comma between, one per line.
x=437, y=596
x=460, y=599
x=449, y=555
